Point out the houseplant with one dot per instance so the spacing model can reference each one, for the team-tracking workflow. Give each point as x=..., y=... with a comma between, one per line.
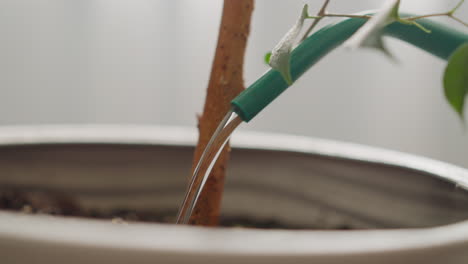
x=365, y=29
x=68, y=239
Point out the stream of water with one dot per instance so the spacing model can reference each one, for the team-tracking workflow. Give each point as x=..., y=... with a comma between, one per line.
x=204, y=166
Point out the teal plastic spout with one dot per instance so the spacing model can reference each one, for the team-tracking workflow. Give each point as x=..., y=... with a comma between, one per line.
x=441, y=42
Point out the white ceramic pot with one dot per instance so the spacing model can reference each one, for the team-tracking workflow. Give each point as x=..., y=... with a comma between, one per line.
x=410, y=209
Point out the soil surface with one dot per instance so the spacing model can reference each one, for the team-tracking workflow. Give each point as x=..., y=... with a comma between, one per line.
x=36, y=202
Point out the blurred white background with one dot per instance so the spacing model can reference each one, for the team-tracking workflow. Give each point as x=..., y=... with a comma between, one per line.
x=148, y=61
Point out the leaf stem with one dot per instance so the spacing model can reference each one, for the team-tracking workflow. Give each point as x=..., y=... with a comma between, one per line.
x=459, y=20
x=349, y=16
x=448, y=14
x=456, y=7
x=421, y=27
x=320, y=16
x=426, y=16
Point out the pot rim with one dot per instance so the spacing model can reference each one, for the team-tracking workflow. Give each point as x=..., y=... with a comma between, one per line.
x=77, y=232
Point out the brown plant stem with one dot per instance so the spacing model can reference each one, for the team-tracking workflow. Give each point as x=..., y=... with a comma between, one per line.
x=320, y=15
x=226, y=82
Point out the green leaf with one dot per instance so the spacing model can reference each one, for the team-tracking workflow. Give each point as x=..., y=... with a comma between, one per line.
x=456, y=79
x=267, y=57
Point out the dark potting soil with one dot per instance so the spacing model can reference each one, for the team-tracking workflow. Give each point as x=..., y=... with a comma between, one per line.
x=37, y=202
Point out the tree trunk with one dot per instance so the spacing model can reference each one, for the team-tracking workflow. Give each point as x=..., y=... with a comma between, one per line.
x=226, y=82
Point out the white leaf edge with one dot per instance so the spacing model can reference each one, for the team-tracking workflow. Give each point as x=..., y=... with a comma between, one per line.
x=281, y=53
x=369, y=34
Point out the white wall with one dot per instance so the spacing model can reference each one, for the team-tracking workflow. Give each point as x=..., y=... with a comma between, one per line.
x=147, y=61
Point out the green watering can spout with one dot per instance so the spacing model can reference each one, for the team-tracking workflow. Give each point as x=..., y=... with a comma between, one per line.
x=441, y=42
